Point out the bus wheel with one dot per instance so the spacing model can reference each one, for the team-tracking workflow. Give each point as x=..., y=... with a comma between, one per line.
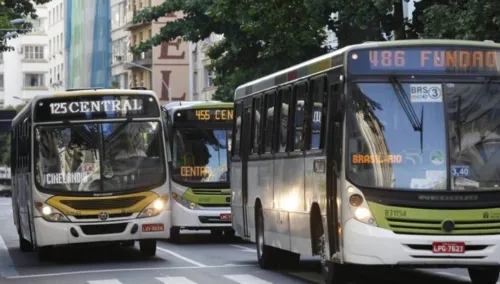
x=267, y=255
x=332, y=272
x=486, y=275
x=175, y=235
x=44, y=253
x=148, y=247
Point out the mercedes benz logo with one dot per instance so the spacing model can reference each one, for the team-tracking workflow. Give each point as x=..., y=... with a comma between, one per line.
x=103, y=216
x=448, y=226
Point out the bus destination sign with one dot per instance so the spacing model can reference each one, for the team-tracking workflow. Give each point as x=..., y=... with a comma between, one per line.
x=204, y=115
x=95, y=107
x=425, y=60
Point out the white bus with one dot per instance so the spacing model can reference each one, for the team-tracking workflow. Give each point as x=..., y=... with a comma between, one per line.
x=198, y=135
x=89, y=166
x=391, y=161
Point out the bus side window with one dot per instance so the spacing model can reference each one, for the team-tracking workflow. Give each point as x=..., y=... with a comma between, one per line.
x=300, y=91
x=256, y=125
x=269, y=123
x=318, y=114
x=237, y=130
x=283, y=121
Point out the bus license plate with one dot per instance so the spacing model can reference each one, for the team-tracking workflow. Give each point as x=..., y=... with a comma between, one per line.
x=152, y=227
x=225, y=217
x=448, y=247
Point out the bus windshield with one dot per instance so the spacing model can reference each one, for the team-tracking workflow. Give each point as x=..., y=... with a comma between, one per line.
x=200, y=155
x=99, y=157
x=385, y=149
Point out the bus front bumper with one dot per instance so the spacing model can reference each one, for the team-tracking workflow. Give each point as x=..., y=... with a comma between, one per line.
x=198, y=219
x=53, y=233
x=369, y=245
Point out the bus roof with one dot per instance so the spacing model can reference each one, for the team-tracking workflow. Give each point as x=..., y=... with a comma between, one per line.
x=76, y=93
x=324, y=62
x=174, y=106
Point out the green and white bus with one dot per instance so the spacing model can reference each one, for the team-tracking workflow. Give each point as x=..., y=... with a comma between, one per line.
x=382, y=153
x=198, y=134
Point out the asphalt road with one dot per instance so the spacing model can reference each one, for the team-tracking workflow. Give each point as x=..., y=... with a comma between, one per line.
x=199, y=259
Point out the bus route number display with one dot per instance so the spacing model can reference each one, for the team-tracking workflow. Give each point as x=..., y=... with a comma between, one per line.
x=424, y=60
x=204, y=115
x=95, y=107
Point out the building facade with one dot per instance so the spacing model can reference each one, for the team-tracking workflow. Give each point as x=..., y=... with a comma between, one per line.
x=165, y=68
x=24, y=71
x=88, y=43
x=56, y=54
x=201, y=78
x=119, y=44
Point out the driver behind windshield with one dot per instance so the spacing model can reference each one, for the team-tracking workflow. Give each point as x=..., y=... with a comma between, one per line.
x=129, y=148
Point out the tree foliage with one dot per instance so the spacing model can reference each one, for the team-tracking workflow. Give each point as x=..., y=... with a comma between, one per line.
x=5, y=142
x=262, y=36
x=16, y=9
x=459, y=19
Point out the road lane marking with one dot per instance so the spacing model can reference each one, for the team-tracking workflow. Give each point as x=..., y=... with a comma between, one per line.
x=245, y=249
x=246, y=279
x=175, y=280
x=182, y=257
x=7, y=267
x=123, y=270
x=110, y=281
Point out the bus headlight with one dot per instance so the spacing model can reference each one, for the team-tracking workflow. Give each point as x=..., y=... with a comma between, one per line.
x=154, y=208
x=359, y=206
x=49, y=213
x=186, y=203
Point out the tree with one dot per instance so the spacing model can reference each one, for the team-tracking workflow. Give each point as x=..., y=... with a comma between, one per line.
x=262, y=36
x=5, y=142
x=458, y=19
x=16, y=9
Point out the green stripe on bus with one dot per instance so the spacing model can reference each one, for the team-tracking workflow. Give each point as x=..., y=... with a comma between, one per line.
x=402, y=220
x=206, y=198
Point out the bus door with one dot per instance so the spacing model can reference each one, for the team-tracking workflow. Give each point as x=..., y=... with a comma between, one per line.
x=246, y=145
x=334, y=150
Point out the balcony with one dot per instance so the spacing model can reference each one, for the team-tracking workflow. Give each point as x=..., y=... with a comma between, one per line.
x=129, y=24
x=144, y=59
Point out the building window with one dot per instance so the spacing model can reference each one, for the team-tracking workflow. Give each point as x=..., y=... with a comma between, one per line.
x=33, y=80
x=33, y=52
x=1, y=81
x=209, y=76
x=37, y=25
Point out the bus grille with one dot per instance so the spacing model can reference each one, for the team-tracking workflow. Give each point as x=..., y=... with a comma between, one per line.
x=433, y=227
x=103, y=204
x=103, y=229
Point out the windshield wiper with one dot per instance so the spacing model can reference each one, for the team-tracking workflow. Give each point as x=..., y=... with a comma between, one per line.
x=404, y=101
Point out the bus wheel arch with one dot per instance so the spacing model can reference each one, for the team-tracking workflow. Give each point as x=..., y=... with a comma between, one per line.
x=267, y=256
x=316, y=227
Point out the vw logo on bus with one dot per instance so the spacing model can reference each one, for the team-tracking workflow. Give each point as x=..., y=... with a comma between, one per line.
x=103, y=216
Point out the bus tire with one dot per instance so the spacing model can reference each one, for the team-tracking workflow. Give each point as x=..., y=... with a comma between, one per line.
x=486, y=275
x=175, y=235
x=267, y=256
x=333, y=273
x=147, y=247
